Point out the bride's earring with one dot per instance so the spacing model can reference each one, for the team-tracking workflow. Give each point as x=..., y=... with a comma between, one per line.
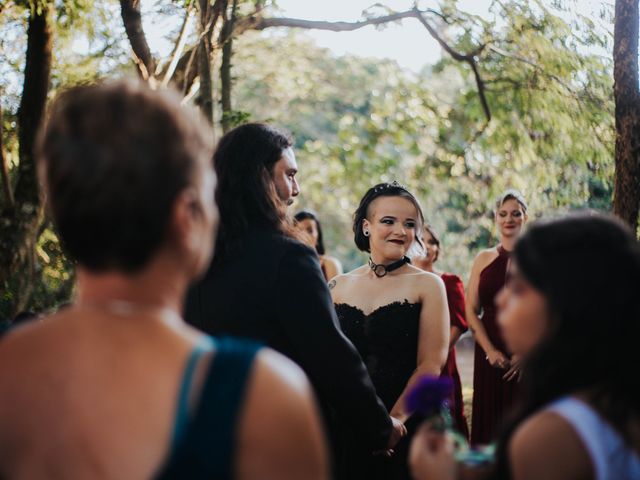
x=365, y=233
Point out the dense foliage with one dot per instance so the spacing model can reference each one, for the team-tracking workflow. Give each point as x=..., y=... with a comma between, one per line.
x=547, y=77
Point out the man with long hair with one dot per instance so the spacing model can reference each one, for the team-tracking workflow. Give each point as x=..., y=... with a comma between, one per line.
x=266, y=285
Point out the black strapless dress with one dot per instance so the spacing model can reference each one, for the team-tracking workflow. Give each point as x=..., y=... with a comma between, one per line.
x=387, y=340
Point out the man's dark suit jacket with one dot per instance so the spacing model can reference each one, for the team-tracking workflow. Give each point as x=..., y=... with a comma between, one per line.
x=274, y=292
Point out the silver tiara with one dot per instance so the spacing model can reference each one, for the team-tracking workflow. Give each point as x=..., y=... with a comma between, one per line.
x=385, y=186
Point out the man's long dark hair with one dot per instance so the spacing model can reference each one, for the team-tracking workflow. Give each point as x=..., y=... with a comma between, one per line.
x=587, y=266
x=246, y=194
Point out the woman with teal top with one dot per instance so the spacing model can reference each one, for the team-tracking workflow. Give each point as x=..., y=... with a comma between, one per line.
x=116, y=385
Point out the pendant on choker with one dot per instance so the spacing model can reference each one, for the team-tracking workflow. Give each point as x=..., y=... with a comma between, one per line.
x=381, y=270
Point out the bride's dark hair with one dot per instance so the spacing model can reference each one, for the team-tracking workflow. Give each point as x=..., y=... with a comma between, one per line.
x=587, y=266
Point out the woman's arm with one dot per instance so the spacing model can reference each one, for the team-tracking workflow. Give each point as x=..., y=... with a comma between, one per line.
x=332, y=266
x=335, y=288
x=454, y=336
x=495, y=357
x=546, y=446
x=433, y=338
x=456, y=303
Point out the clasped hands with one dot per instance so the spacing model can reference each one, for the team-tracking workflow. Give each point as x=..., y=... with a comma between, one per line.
x=498, y=360
x=397, y=432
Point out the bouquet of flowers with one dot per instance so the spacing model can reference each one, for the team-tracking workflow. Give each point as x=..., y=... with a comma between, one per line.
x=429, y=397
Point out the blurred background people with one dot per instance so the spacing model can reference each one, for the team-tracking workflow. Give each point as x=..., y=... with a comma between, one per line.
x=395, y=314
x=309, y=224
x=495, y=370
x=116, y=385
x=458, y=323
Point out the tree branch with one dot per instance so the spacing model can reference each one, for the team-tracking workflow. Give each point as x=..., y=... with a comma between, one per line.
x=190, y=73
x=203, y=57
x=257, y=22
x=132, y=19
x=185, y=74
x=469, y=58
x=178, y=48
x=226, y=39
x=533, y=64
x=6, y=5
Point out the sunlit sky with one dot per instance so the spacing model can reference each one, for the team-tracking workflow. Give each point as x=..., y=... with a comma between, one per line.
x=392, y=41
x=407, y=41
x=389, y=42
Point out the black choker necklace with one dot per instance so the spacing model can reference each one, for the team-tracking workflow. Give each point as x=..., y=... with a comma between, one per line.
x=381, y=270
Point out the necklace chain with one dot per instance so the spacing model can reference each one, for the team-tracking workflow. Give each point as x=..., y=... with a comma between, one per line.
x=124, y=308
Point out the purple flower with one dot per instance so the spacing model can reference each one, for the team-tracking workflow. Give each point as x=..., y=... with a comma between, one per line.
x=429, y=395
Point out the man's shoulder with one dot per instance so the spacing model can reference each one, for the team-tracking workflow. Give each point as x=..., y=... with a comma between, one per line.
x=280, y=242
x=270, y=249
x=270, y=235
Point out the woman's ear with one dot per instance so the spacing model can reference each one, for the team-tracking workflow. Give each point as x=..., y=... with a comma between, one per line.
x=366, y=226
x=184, y=219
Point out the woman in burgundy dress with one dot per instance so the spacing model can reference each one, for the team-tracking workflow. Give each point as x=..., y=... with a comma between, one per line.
x=495, y=370
x=458, y=323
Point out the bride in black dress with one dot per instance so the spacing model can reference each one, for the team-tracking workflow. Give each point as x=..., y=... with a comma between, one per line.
x=394, y=313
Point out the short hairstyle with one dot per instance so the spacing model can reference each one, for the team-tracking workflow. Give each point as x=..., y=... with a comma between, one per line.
x=113, y=158
x=511, y=194
x=436, y=238
x=307, y=215
x=246, y=194
x=393, y=189
x=587, y=267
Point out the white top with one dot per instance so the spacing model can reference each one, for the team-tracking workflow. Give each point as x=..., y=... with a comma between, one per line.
x=611, y=457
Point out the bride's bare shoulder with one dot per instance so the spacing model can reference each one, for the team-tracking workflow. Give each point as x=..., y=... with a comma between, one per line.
x=343, y=282
x=424, y=276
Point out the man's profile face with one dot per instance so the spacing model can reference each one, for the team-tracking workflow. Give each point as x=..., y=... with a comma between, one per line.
x=284, y=176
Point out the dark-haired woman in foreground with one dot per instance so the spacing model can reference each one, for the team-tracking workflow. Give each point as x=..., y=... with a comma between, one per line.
x=394, y=313
x=117, y=386
x=571, y=309
x=310, y=225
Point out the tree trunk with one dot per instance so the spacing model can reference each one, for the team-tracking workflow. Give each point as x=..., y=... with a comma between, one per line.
x=19, y=224
x=626, y=203
x=225, y=83
x=226, y=39
x=132, y=19
x=204, y=61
